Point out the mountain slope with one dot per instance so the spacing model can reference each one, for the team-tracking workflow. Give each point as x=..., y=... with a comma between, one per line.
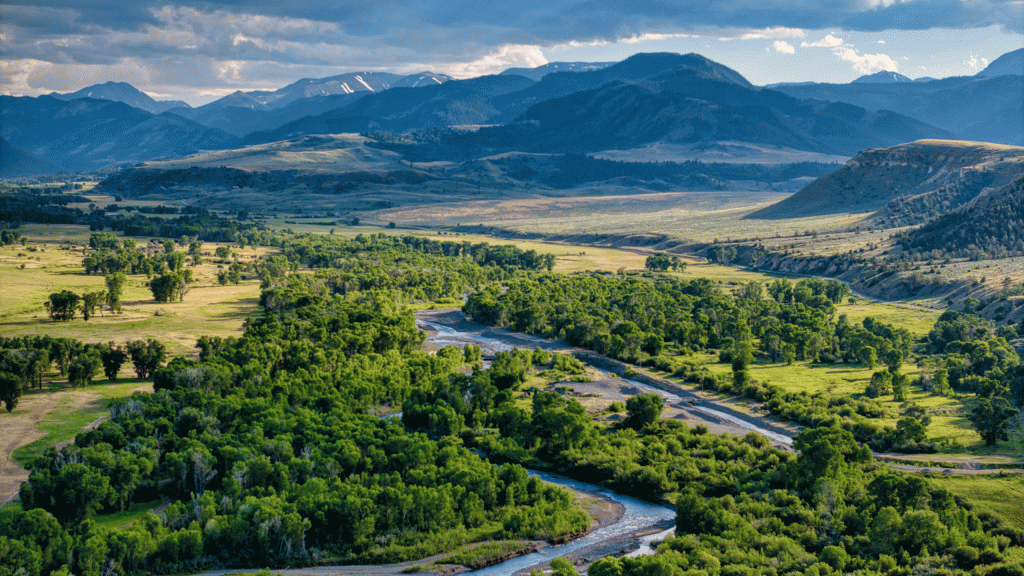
x=88, y=133
x=906, y=184
x=683, y=106
x=122, y=92
x=241, y=121
x=1009, y=63
x=457, y=102
x=16, y=162
x=971, y=108
x=992, y=224
x=633, y=69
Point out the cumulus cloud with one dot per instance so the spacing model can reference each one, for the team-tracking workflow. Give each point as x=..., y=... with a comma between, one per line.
x=866, y=63
x=863, y=63
x=829, y=41
x=784, y=47
x=977, y=64
x=508, y=56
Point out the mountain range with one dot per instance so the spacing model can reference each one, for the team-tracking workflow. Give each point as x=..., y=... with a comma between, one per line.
x=579, y=107
x=987, y=107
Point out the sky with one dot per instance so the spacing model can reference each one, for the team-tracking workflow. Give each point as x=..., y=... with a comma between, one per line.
x=201, y=51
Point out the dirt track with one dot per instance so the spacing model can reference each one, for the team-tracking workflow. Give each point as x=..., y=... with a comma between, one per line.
x=19, y=429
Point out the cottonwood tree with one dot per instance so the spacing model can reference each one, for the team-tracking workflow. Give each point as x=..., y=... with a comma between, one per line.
x=10, y=390
x=62, y=305
x=90, y=300
x=146, y=356
x=115, y=288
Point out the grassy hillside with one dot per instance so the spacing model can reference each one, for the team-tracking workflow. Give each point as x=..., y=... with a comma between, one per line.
x=905, y=184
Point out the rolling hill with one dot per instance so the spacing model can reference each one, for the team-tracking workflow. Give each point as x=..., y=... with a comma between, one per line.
x=906, y=184
x=989, y=225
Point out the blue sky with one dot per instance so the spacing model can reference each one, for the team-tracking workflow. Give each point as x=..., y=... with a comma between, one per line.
x=199, y=51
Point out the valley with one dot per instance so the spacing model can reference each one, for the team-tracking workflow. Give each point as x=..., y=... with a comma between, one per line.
x=348, y=325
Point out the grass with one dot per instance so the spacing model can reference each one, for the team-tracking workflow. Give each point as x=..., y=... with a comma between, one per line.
x=488, y=553
x=75, y=410
x=136, y=511
x=49, y=266
x=999, y=495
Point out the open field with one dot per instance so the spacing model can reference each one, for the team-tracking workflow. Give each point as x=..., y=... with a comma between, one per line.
x=999, y=495
x=208, y=308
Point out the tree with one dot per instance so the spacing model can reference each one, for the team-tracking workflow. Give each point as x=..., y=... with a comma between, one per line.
x=90, y=300
x=742, y=356
x=112, y=357
x=72, y=494
x=171, y=287
x=990, y=417
x=894, y=360
x=146, y=356
x=10, y=390
x=115, y=287
x=83, y=368
x=62, y=305
x=642, y=410
x=868, y=356
x=222, y=252
x=658, y=262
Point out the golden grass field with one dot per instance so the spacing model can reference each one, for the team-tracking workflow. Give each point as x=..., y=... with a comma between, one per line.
x=46, y=265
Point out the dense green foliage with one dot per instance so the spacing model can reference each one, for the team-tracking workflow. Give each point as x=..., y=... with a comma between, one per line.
x=635, y=318
x=270, y=454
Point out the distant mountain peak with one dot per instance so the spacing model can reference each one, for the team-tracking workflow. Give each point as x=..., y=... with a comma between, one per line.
x=883, y=77
x=122, y=92
x=539, y=72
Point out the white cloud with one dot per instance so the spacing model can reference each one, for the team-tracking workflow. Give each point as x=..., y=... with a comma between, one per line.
x=653, y=37
x=784, y=47
x=508, y=56
x=865, y=63
x=760, y=33
x=829, y=41
x=976, y=63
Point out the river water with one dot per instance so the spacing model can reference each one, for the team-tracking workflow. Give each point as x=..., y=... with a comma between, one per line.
x=445, y=335
x=638, y=515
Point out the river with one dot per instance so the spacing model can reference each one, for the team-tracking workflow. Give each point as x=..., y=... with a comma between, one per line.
x=638, y=515
x=445, y=335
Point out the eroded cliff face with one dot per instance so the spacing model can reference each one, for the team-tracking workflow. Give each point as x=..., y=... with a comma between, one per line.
x=905, y=184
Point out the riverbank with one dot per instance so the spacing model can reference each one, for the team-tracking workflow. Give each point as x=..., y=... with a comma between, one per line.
x=452, y=326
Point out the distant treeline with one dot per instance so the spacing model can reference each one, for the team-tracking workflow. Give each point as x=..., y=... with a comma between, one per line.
x=30, y=205
x=575, y=169
x=136, y=182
